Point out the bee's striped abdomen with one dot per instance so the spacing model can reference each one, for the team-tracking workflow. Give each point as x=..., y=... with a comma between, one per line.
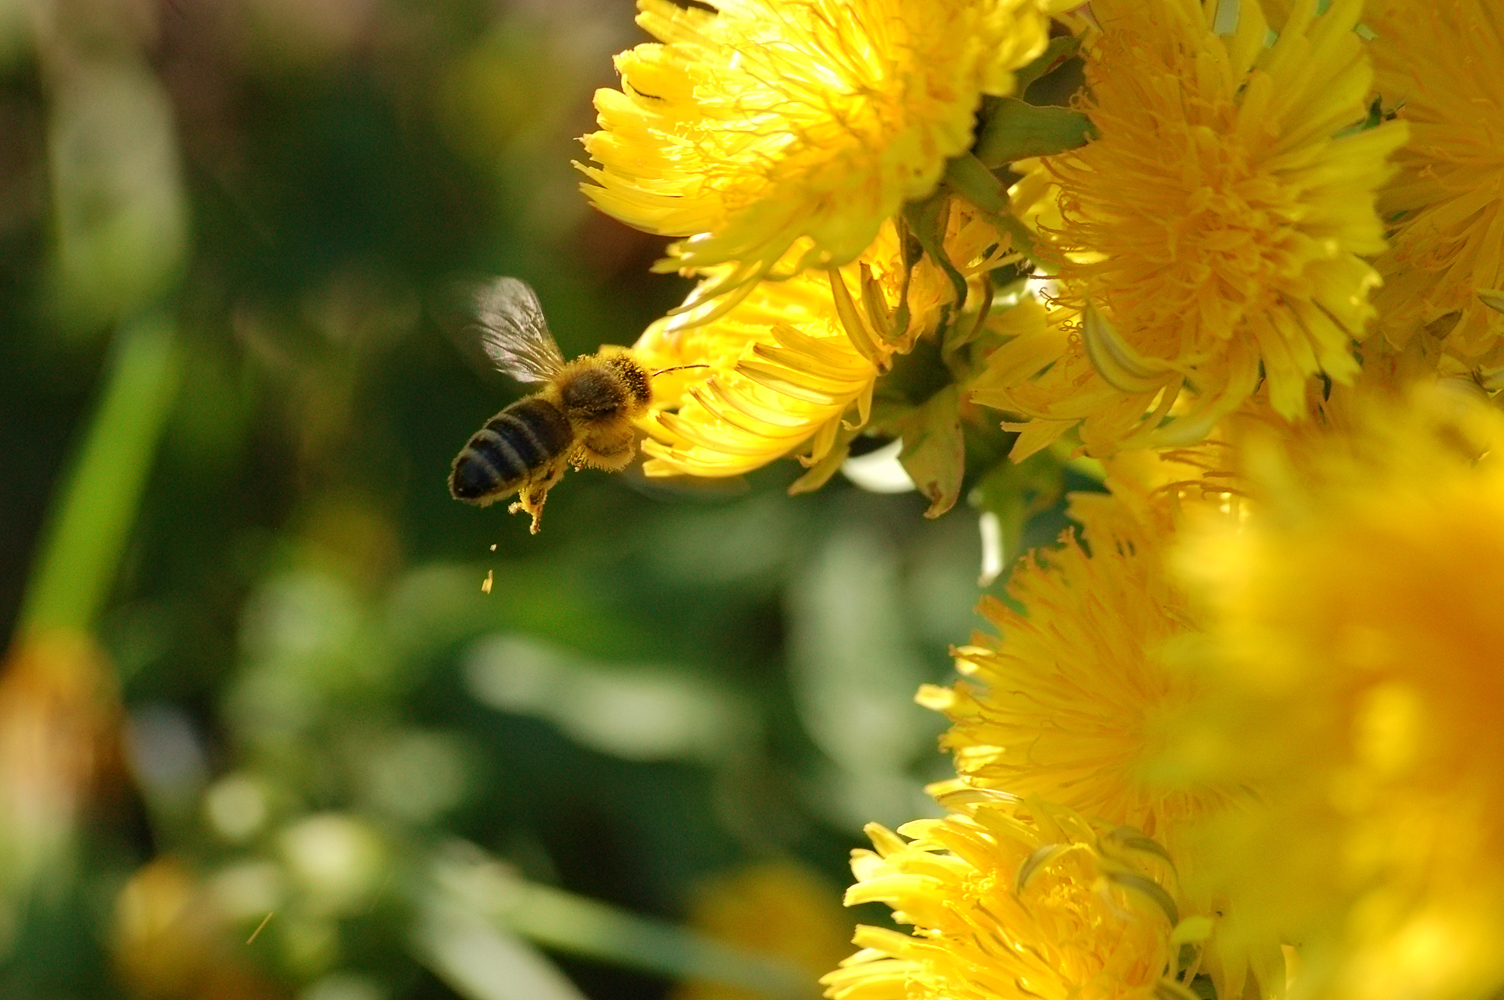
x=509, y=449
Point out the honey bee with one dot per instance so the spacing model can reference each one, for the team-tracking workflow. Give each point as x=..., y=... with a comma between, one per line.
x=581, y=417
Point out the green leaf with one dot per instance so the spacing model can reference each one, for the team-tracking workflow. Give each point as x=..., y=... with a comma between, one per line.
x=472, y=908
x=92, y=515
x=1016, y=131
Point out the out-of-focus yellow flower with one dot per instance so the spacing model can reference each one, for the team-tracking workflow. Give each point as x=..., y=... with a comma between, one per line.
x=1353, y=674
x=792, y=361
x=768, y=123
x=1440, y=64
x=1007, y=903
x=774, y=908
x=172, y=942
x=1211, y=237
x=59, y=745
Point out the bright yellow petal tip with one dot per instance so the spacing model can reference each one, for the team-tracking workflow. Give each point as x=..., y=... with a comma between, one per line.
x=766, y=121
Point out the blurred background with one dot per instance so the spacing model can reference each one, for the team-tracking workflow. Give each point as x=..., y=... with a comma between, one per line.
x=262, y=733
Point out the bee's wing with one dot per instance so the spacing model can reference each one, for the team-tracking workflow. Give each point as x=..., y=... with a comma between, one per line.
x=514, y=333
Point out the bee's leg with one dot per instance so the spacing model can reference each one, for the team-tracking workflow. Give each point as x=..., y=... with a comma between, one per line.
x=530, y=498
x=610, y=450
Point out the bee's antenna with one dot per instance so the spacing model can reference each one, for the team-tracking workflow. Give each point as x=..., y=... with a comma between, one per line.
x=677, y=368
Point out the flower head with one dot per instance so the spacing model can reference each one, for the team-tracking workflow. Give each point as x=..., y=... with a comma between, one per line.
x=1069, y=701
x=1211, y=237
x=1006, y=902
x=1353, y=674
x=793, y=365
x=768, y=123
x=1440, y=65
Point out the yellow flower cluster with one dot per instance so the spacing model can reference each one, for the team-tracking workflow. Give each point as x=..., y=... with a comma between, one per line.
x=1279, y=655
x=794, y=357
x=1239, y=733
x=796, y=150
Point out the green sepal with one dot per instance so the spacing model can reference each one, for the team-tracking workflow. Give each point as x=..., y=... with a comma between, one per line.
x=976, y=183
x=963, y=334
x=934, y=449
x=1036, y=862
x=970, y=178
x=1148, y=888
x=1014, y=130
x=913, y=253
x=1059, y=51
x=1016, y=492
x=1132, y=839
x=927, y=220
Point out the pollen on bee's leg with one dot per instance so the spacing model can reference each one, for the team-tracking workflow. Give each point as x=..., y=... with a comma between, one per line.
x=531, y=501
x=536, y=512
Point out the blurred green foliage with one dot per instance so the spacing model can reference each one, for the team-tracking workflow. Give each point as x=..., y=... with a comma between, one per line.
x=327, y=734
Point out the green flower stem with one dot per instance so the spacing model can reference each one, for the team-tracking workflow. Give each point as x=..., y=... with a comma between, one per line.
x=91, y=518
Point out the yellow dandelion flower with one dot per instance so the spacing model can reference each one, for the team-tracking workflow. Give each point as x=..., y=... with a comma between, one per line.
x=794, y=364
x=1004, y=904
x=766, y=123
x=1069, y=701
x=1441, y=65
x=1353, y=674
x=1211, y=237
x=1075, y=700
